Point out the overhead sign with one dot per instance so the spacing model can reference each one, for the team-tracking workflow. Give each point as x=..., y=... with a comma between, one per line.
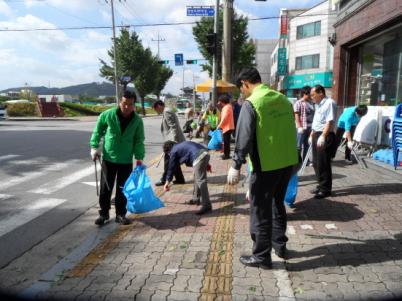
x=178, y=59
x=284, y=26
x=200, y=11
x=282, y=62
x=298, y=81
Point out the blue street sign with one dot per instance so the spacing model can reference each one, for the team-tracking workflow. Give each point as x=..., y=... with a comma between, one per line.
x=200, y=11
x=178, y=59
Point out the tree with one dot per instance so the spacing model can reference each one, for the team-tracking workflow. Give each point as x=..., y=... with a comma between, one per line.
x=28, y=94
x=243, y=49
x=137, y=62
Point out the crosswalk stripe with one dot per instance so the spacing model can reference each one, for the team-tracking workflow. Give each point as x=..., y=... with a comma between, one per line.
x=27, y=176
x=7, y=157
x=60, y=183
x=29, y=213
x=4, y=197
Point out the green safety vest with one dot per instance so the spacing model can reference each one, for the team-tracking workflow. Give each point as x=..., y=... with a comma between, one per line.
x=212, y=119
x=275, y=129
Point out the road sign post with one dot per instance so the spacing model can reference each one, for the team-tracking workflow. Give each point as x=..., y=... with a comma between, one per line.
x=178, y=59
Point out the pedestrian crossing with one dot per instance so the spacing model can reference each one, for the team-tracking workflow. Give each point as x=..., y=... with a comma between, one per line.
x=44, y=180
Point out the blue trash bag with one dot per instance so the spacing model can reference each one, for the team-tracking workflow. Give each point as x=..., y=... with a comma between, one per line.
x=291, y=191
x=216, y=140
x=139, y=193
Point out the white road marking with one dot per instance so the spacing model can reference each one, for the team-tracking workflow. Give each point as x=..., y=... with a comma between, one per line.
x=291, y=230
x=60, y=183
x=7, y=157
x=27, y=176
x=28, y=162
x=306, y=227
x=90, y=183
x=29, y=213
x=331, y=226
x=5, y=197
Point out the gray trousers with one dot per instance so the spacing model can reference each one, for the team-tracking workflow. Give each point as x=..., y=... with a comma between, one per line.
x=200, y=182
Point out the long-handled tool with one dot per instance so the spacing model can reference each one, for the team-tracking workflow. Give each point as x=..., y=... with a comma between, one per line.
x=360, y=161
x=104, y=175
x=309, y=151
x=96, y=179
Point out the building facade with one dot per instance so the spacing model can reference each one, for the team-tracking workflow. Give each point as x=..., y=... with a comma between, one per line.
x=264, y=50
x=368, y=52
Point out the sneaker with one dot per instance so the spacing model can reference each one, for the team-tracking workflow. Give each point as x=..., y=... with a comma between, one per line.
x=193, y=202
x=122, y=220
x=160, y=183
x=204, y=210
x=101, y=220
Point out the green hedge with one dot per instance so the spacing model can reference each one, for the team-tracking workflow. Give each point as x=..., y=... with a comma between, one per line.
x=74, y=109
x=22, y=109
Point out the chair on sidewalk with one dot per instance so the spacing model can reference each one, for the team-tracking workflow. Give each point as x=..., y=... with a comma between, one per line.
x=397, y=134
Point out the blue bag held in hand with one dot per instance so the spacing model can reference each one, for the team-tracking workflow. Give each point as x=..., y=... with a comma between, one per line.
x=139, y=193
x=291, y=191
x=216, y=140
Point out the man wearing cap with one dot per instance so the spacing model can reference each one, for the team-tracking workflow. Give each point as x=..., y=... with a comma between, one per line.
x=123, y=133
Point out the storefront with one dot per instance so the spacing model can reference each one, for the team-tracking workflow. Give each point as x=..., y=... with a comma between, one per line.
x=294, y=83
x=368, y=53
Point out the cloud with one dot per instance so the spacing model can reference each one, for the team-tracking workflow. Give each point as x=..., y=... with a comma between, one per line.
x=5, y=10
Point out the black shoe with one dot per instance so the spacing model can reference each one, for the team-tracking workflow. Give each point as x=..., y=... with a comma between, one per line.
x=122, y=220
x=314, y=191
x=160, y=183
x=193, y=202
x=251, y=261
x=281, y=252
x=349, y=162
x=179, y=182
x=204, y=210
x=223, y=157
x=321, y=195
x=101, y=220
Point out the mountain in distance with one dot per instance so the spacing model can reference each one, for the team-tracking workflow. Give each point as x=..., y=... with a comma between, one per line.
x=91, y=89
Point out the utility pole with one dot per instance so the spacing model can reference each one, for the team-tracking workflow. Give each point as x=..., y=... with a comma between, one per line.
x=116, y=80
x=158, y=40
x=227, y=41
x=215, y=58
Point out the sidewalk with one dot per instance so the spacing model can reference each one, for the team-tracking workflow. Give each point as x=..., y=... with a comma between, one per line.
x=348, y=246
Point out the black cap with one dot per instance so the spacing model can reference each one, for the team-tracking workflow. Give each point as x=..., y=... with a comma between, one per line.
x=129, y=95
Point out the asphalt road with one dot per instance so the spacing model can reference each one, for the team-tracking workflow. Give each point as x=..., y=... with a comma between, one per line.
x=47, y=178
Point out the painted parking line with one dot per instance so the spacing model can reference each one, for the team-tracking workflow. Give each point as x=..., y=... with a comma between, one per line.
x=29, y=213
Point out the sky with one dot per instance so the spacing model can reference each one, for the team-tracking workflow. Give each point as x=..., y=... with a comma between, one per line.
x=61, y=58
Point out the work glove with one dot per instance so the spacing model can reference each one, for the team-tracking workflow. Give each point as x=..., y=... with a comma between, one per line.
x=321, y=141
x=209, y=168
x=233, y=176
x=350, y=145
x=248, y=195
x=310, y=140
x=166, y=187
x=138, y=163
x=95, y=154
x=300, y=130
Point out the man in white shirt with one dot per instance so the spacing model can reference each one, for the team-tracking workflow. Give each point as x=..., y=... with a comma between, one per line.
x=322, y=139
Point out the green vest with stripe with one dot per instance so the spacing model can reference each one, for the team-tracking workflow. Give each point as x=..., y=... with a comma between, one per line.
x=212, y=119
x=275, y=128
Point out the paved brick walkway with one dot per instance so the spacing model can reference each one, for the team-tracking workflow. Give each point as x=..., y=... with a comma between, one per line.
x=348, y=246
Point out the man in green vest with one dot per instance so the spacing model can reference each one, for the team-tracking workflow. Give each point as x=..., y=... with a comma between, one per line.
x=123, y=132
x=266, y=134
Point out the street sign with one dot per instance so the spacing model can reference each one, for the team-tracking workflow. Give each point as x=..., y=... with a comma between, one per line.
x=282, y=62
x=178, y=59
x=200, y=11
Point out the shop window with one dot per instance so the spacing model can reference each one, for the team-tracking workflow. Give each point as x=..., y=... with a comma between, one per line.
x=308, y=62
x=380, y=80
x=308, y=30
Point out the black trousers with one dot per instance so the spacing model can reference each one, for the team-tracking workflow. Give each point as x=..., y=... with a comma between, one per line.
x=112, y=172
x=226, y=143
x=268, y=219
x=338, y=141
x=322, y=161
x=178, y=174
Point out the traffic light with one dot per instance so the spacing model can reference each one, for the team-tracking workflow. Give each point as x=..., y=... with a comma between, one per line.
x=191, y=62
x=211, y=43
x=166, y=62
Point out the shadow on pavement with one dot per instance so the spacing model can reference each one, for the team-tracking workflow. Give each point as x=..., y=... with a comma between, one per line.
x=325, y=210
x=355, y=253
x=313, y=177
x=370, y=189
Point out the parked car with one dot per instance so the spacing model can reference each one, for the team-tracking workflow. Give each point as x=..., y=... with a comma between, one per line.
x=2, y=111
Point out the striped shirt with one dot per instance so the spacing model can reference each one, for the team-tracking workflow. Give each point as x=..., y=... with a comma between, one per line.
x=305, y=110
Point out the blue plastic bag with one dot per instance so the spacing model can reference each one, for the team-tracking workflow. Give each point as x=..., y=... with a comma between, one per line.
x=216, y=140
x=291, y=191
x=139, y=193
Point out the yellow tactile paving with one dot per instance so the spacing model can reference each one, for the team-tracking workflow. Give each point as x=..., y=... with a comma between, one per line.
x=217, y=282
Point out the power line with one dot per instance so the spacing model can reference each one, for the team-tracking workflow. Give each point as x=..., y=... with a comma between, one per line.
x=138, y=25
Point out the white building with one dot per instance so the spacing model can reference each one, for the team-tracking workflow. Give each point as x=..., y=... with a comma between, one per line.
x=309, y=54
x=264, y=50
x=55, y=98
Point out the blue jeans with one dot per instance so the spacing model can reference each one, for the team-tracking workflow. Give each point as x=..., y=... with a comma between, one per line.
x=302, y=142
